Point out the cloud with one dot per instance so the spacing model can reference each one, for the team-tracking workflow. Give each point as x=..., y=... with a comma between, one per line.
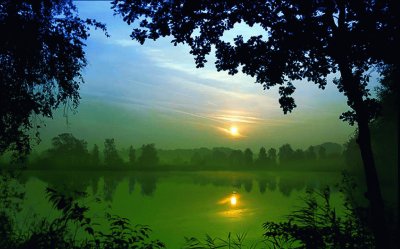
x=123, y=42
x=172, y=61
x=239, y=119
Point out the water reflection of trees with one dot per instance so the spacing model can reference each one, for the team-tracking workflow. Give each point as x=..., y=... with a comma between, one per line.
x=268, y=182
x=286, y=185
x=148, y=182
x=104, y=184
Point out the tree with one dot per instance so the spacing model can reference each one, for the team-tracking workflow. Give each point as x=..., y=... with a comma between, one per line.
x=321, y=153
x=95, y=155
x=68, y=151
x=285, y=154
x=298, y=155
x=149, y=156
x=218, y=158
x=111, y=157
x=41, y=57
x=132, y=155
x=272, y=156
x=236, y=158
x=197, y=159
x=248, y=157
x=310, y=154
x=305, y=40
x=262, y=159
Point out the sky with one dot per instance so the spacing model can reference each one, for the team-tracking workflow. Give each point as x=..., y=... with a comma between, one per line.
x=153, y=93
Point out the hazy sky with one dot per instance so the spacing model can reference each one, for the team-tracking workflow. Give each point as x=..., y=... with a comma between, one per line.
x=154, y=94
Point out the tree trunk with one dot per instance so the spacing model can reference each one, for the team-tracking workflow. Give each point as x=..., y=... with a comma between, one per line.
x=351, y=87
x=374, y=194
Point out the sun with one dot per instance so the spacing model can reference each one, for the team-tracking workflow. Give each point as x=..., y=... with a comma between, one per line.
x=234, y=131
x=233, y=200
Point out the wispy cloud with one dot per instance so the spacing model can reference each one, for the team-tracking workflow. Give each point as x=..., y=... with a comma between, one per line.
x=123, y=42
x=239, y=119
x=162, y=59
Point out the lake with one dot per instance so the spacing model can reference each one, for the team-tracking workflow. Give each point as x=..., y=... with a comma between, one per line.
x=183, y=204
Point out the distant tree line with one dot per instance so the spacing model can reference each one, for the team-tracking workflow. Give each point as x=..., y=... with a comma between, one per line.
x=69, y=152
x=313, y=158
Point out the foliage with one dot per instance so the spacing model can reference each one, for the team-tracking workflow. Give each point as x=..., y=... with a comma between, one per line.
x=285, y=153
x=234, y=242
x=148, y=157
x=236, y=158
x=41, y=57
x=303, y=39
x=123, y=235
x=11, y=194
x=317, y=224
x=111, y=157
x=67, y=152
x=95, y=155
x=262, y=157
x=272, y=156
x=132, y=155
x=248, y=157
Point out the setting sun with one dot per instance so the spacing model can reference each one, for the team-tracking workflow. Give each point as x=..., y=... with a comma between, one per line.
x=233, y=200
x=234, y=131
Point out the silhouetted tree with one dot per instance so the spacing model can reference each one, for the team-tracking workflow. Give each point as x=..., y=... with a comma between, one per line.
x=68, y=151
x=111, y=157
x=310, y=154
x=304, y=40
x=298, y=155
x=272, y=156
x=41, y=58
x=285, y=154
x=148, y=156
x=262, y=159
x=236, y=158
x=321, y=153
x=132, y=155
x=248, y=157
x=95, y=155
x=218, y=158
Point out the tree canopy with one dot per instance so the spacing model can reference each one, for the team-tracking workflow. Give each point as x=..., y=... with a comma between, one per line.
x=41, y=58
x=304, y=39
x=67, y=151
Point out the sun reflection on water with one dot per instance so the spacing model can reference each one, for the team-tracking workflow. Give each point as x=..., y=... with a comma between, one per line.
x=233, y=206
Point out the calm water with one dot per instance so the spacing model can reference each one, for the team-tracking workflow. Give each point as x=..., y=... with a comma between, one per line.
x=179, y=204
